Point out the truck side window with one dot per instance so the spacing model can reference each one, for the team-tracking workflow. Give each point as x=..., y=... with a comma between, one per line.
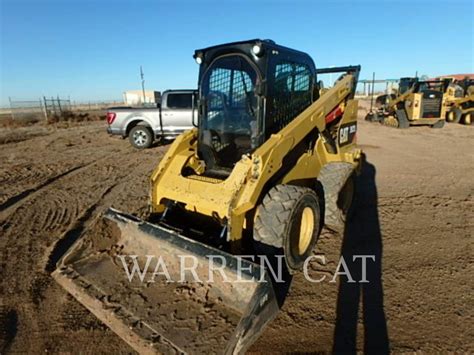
x=180, y=101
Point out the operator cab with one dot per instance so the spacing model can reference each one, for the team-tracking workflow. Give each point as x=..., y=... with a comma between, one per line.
x=432, y=92
x=439, y=86
x=406, y=84
x=237, y=109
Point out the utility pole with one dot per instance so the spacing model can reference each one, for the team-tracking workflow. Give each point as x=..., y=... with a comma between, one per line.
x=143, y=84
x=372, y=96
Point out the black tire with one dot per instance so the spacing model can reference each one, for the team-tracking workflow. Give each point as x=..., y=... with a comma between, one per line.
x=373, y=117
x=439, y=124
x=141, y=137
x=454, y=115
x=339, y=191
x=402, y=119
x=288, y=219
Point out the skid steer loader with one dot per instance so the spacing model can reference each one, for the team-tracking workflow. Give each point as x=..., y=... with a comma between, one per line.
x=270, y=162
x=416, y=103
x=460, y=102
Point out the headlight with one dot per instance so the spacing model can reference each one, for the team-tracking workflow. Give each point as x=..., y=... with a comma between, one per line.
x=198, y=57
x=257, y=49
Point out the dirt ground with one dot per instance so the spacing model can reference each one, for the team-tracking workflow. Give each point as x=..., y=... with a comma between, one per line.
x=414, y=212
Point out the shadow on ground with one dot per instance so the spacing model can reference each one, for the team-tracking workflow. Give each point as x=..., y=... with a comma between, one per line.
x=362, y=237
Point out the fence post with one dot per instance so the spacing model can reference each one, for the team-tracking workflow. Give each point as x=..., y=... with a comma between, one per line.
x=11, y=108
x=45, y=107
x=42, y=108
x=53, y=105
x=59, y=105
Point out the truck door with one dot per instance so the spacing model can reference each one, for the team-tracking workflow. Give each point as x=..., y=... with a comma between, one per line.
x=177, y=111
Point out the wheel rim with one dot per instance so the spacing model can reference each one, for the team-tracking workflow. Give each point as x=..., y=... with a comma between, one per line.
x=450, y=116
x=390, y=121
x=467, y=118
x=306, y=229
x=140, y=138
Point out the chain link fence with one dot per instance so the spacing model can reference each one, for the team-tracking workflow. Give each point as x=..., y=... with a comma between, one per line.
x=28, y=111
x=56, y=106
x=31, y=111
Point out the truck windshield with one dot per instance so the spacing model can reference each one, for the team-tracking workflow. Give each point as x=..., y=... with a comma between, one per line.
x=228, y=122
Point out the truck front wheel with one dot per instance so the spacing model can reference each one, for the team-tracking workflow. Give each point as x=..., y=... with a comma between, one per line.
x=141, y=137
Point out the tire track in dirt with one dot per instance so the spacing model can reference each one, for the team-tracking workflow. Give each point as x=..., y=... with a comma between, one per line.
x=26, y=166
x=24, y=194
x=42, y=280
x=51, y=209
x=72, y=234
x=87, y=220
x=55, y=181
x=13, y=202
x=59, y=210
x=51, y=256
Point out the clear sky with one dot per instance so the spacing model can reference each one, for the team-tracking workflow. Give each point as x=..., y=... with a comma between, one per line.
x=92, y=49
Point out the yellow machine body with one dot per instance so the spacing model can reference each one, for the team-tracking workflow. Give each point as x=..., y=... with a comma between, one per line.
x=232, y=198
x=311, y=154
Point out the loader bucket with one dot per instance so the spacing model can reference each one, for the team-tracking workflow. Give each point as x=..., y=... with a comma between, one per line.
x=224, y=315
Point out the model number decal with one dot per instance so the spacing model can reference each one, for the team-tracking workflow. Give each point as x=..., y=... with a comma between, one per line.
x=347, y=133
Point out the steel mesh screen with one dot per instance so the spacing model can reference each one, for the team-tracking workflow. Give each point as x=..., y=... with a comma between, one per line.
x=292, y=94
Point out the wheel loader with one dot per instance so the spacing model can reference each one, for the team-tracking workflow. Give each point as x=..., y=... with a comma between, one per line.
x=270, y=162
x=460, y=103
x=416, y=103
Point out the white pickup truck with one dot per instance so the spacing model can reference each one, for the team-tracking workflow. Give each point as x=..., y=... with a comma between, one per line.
x=144, y=125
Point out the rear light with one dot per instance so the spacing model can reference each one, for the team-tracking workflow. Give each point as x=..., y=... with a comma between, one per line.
x=331, y=116
x=111, y=117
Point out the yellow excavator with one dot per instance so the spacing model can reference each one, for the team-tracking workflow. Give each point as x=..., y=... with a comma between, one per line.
x=270, y=162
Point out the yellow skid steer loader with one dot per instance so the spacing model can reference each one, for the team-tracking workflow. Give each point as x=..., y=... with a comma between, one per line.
x=416, y=103
x=461, y=102
x=271, y=161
